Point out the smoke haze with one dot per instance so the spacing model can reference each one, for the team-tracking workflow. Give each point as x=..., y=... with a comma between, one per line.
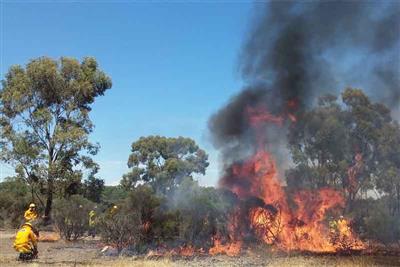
x=297, y=51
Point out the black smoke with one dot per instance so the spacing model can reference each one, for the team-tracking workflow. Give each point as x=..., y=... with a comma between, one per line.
x=297, y=51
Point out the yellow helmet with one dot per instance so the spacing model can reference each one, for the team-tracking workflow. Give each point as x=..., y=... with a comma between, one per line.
x=32, y=205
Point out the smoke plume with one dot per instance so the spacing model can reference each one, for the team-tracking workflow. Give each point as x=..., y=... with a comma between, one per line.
x=297, y=51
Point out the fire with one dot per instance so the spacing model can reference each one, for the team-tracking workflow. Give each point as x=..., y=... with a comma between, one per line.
x=265, y=224
x=230, y=249
x=186, y=251
x=49, y=237
x=257, y=115
x=267, y=212
x=302, y=225
x=352, y=174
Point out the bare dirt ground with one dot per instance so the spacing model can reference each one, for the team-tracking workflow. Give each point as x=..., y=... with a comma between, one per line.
x=86, y=253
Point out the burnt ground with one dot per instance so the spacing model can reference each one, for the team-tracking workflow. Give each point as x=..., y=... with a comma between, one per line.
x=87, y=253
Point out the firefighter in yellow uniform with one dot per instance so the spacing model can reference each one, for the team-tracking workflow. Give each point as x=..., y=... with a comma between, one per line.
x=113, y=210
x=26, y=242
x=31, y=214
x=333, y=231
x=92, y=218
x=332, y=226
x=343, y=227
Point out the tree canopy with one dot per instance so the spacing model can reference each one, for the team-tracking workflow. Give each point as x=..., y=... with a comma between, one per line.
x=164, y=162
x=44, y=114
x=352, y=145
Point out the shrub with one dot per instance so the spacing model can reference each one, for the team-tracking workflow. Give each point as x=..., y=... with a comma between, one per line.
x=14, y=199
x=71, y=216
x=121, y=229
x=113, y=194
x=190, y=215
x=92, y=188
x=164, y=227
x=373, y=220
x=133, y=222
x=382, y=226
x=204, y=212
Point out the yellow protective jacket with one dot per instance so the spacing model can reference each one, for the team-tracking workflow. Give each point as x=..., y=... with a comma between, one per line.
x=30, y=215
x=92, y=216
x=113, y=211
x=344, y=227
x=25, y=240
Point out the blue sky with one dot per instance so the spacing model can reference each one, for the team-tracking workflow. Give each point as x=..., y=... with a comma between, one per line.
x=172, y=65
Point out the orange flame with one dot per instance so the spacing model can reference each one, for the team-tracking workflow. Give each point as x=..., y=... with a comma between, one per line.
x=186, y=251
x=301, y=228
x=230, y=249
x=259, y=115
x=49, y=237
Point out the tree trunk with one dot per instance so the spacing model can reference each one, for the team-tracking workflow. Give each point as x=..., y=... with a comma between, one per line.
x=32, y=193
x=398, y=198
x=49, y=200
x=50, y=184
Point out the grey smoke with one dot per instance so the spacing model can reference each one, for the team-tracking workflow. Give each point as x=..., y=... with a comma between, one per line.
x=296, y=46
x=301, y=50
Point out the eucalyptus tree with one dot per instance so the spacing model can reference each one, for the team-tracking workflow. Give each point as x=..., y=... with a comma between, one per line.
x=45, y=124
x=352, y=144
x=164, y=162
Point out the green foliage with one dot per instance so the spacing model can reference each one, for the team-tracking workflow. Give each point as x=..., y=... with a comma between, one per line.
x=71, y=216
x=172, y=207
x=44, y=117
x=382, y=227
x=93, y=189
x=189, y=214
x=131, y=224
x=122, y=229
x=204, y=212
x=142, y=200
x=318, y=146
x=373, y=220
x=164, y=227
x=164, y=162
x=14, y=200
x=113, y=194
x=325, y=141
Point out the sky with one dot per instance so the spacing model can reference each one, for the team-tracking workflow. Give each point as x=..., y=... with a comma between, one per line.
x=172, y=65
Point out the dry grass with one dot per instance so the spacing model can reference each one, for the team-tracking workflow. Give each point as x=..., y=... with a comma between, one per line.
x=124, y=262
x=321, y=261
x=135, y=263
x=61, y=253
x=298, y=261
